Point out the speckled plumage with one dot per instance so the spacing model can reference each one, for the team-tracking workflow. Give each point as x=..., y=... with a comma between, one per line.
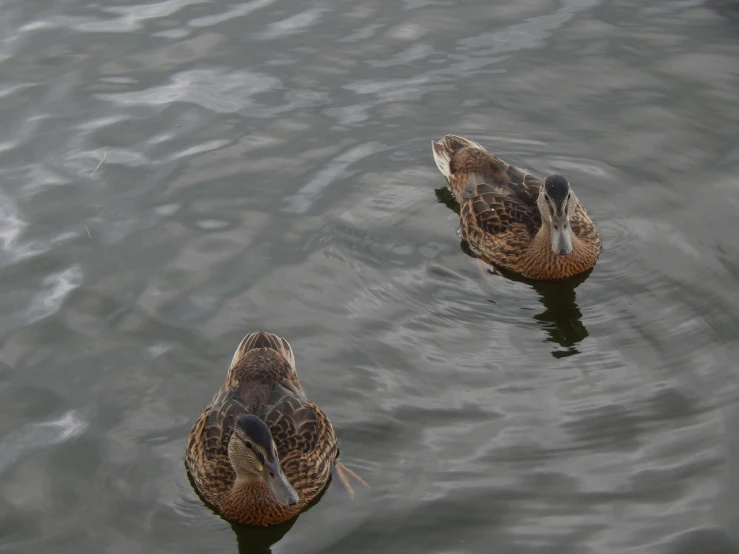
x=262, y=381
x=500, y=216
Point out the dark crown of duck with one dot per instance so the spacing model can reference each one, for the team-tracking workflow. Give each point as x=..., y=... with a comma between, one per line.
x=557, y=188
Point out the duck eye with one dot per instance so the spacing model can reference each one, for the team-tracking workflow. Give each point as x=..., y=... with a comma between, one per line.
x=272, y=474
x=569, y=195
x=248, y=444
x=556, y=227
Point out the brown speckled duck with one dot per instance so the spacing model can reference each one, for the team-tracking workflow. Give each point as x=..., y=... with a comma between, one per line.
x=512, y=219
x=260, y=453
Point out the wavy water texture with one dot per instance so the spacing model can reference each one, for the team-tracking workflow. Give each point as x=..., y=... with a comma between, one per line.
x=177, y=173
x=37, y=435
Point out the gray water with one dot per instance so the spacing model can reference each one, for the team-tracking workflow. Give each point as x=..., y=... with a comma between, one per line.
x=176, y=174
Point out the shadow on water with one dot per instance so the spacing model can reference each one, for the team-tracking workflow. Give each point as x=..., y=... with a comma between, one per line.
x=729, y=9
x=561, y=318
x=445, y=196
x=257, y=540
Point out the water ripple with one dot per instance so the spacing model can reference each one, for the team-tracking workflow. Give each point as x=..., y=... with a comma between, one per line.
x=306, y=196
x=57, y=287
x=34, y=436
x=297, y=23
x=214, y=89
x=234, y=12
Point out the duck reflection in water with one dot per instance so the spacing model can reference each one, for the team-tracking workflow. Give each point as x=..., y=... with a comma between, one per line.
x=259, y=540
x=561, y=318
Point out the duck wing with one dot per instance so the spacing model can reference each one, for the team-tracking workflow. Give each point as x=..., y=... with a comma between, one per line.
x=306, y=442
x=466, y=165
x=493, y=211
x=207, y=448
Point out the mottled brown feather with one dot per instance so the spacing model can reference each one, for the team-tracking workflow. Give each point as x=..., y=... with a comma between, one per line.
x=262, y=381
x=500, y=218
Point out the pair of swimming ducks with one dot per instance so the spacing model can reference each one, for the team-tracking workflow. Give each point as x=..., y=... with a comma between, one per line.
x=261, y=452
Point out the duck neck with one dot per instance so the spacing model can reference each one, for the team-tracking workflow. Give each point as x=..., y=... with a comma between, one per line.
x=249, y=487
x=250, y=502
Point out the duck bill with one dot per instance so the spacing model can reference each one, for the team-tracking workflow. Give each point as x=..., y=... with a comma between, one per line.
x=561, y=238
x=279, y=485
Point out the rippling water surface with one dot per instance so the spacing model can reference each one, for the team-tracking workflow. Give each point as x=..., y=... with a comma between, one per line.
x=174, y=174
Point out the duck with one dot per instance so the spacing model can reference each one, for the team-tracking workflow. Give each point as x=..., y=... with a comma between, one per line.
x=261, y=453
x=514, y=220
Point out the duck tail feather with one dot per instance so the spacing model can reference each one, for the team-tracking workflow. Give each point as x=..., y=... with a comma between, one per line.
x=262, y=339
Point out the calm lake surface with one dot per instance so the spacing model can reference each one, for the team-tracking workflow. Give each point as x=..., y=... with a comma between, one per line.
x=175, y=174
